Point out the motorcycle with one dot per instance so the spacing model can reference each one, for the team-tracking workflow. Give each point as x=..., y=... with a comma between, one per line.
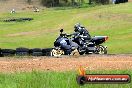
x=93, y=45
x=64, y=45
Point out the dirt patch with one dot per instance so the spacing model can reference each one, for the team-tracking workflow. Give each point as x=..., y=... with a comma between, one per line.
x=111, y=17
x=18, y=5
x=31, y=33
x=23, y=34
x=91, y=62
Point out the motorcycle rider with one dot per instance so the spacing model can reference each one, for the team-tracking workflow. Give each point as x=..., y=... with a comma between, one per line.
x=82, y=34
x=66, y=44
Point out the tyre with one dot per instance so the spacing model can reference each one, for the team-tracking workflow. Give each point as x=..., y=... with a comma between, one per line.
x=1, y=53
x=22, y=51
x=7, y=52
x=26, y=19
x=7, y=20
x=101, y=50
x=121, y=1
x=47, y=51
x=13, y=20
x=126, y=0
x=117, y=2
x=36, y=52
x=29, y=19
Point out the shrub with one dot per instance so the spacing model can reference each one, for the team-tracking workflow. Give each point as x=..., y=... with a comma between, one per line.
x=101, y=1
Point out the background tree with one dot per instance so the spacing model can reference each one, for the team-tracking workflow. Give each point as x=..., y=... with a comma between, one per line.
x=90, y=1
x=56, y=2
x=29, y=1
x=101, y=1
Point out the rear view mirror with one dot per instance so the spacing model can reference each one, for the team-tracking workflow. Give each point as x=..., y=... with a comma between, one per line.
x=61, y=30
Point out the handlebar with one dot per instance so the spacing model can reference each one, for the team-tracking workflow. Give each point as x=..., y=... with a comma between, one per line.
x=76, y=34
x=62, y=35
x=65, y=35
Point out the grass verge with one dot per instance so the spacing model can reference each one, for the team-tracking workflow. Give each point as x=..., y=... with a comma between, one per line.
x=48, y=79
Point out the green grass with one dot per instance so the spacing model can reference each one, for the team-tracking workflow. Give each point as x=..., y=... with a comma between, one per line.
x=37, y=79
x=114, y=21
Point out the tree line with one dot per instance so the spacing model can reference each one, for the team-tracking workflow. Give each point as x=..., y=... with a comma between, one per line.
x=56, y=3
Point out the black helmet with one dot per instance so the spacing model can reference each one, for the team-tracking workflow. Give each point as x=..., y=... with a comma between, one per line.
x=76, y=27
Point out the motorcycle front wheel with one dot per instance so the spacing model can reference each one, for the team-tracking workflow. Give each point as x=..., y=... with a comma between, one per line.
x=56, y=52
x=100, y=50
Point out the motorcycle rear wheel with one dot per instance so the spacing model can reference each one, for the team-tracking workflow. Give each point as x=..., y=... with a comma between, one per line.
x=101, y=50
